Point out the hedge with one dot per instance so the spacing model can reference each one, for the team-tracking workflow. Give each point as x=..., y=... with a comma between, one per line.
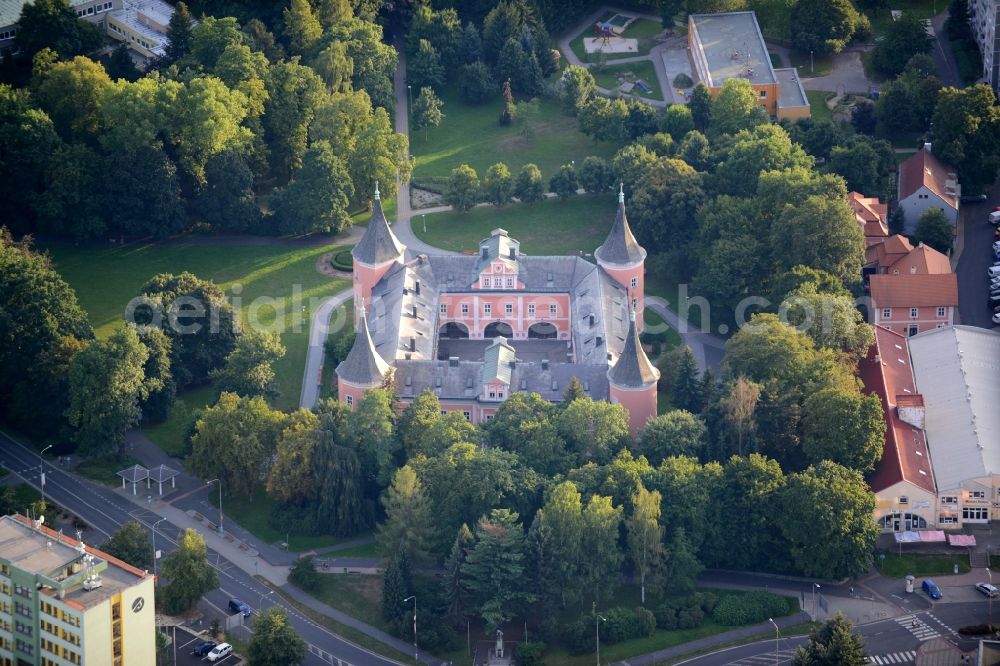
x=750, y=608
x=343, y=261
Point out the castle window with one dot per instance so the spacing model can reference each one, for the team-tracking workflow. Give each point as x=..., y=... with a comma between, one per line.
x=508, y=308
x=465, y=308
x=635, y=283
x=940, y=312
x=553, y=309
x=487, y=308
x=444, y=308
x=886, y=313
x=510, y=282
x=531, y=309
x=350, y=400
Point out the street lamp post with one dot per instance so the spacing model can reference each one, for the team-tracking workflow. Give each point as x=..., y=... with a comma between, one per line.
x=221, y=531
x=416, y=653
x=409, y=96
x=260, y=606
x=423, y=218
x=776, y=632
x=989, y=597
x=154, y=547
x=812, y=67
x=815, y=587
x=597, y=625
x=41, y=470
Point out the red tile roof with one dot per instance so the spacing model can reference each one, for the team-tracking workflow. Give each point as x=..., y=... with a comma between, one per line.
x=921, y=260
x=925, y=169
x=871, y=216
x=913, y=291
x=888, y=251
x=887, y=373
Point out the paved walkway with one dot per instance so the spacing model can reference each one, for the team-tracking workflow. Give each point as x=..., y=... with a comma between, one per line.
x=312, y=376
x=707, y=349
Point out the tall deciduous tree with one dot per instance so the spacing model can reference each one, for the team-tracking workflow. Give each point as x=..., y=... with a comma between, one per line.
x=189, y=573
x=292, y=476
x=462, y=191
x=965, y=133
x=556, y=547
x=70, y=92
x=294, y=94
x=424, y=67
x=302, y=27
x=161, y=389
x=902, y=39
x=823, y=26
x=206, y=119
x=664, y=203
x=228, y=202
x=683, y=566
x=739, y=407
x=498, y=184
x=318, y=196
x=427, y=110
x=54, y=24
x=934, y=229
x=371, y=430
x=576, y=87
x=529, y=186
x=247, y=370
x=645, y=537
x=599, y=571
x=701, y=107
x=275, y=642
x=409, y=520
x=105, y=389
x=593, y=429
x=130, y=543
x=845, y=427
x=675, y=433
x=341, y=507
x=736, y=107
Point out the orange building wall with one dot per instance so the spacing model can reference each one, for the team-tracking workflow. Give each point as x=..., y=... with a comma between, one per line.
x=519, y=320
x=624, y=277
x=365, y=279
x=640, y=403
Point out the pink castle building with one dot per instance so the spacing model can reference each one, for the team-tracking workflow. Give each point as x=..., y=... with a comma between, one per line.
x=475, y=329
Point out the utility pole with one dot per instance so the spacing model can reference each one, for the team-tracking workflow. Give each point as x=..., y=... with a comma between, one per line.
x=771, y=620
x=221, y=531
x=154, y=547
x=41, y=470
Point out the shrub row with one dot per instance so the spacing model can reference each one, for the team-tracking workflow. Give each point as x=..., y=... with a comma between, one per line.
x=343, y=261
x=620, y=624
x=751, y=608
x=685, y=613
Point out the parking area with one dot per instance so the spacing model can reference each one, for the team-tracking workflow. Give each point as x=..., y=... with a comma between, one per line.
x=186, y=643
x=977, y=254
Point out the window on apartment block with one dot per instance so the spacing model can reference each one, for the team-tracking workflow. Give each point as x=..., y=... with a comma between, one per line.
x=947, y=520
x=553, y=309
x=940, y=312
x=913, y=313
x=977, y=494
x=887, y=313
x=975, y=513
x=487, y=308
x=949, y=499
x=508, y=308
x=465, y=308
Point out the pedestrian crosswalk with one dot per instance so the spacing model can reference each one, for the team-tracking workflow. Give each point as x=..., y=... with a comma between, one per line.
x=778, y=657
x=894, y=658
x=916, y=626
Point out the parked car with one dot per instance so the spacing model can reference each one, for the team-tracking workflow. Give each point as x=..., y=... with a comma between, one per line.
x=987, y=589
x=993, y=271
x=237, y=606
x=203, y=648
x=220, y=651
x=995, y=218
x=932, y=590
x=996, y=318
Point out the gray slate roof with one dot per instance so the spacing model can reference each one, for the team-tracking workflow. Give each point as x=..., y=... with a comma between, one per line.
x=620, y=247
x=499, y=361
x=379, y=244
x=633, y=369
x=363, y=365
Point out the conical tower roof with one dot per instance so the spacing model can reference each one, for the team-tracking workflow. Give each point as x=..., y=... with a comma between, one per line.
x=633, y=369
x=620, y=247
x=363, y=366
x=379, y=244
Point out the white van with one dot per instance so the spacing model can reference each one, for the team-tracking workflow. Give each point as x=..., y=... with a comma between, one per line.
x=220, y=651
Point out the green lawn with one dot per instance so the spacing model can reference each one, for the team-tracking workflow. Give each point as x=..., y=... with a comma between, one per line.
x=817, y=104
x=277, y=280
x=606, y=77
x=922, y=565
x=541, y=134
x=557, y=227
x=657, y=330
x=818, y=66
x=105, y=470
x=170, y=434
x=364, y=550
x=642, y=30
x=252, y=515
x=922, y=8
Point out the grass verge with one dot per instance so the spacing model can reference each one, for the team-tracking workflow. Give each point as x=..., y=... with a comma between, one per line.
x=817, y=104
x=899, y=566
x=171, y=434
x=810, y=66
x=105, y=470
x=607, y=77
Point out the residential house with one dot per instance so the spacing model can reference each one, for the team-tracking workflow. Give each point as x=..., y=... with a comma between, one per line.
x=926, y=181
x=983, y=16
x=871, y=216
x=912, y=289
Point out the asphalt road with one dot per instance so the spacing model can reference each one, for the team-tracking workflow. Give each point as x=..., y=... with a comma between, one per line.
x=892, y=641
x=105, y=511
x=977, y=254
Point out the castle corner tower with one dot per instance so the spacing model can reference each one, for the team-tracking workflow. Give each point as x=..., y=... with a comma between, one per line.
x=374, y=255
x=624, y=259
x=633, y=378
x=363, y=368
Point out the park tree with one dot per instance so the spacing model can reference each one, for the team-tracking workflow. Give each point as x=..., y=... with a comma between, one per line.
x=498, y=186
x=210, y=37
x=836, y=537
x=965, y=133
x=28, y=138
x=197, y=318
x=416, y=419
x=845, y=427
x=605, y=119
x=133, y=114
x=427, y=110
x=599, y=570
x=227, y=202
x=593, y=429
x=736, y=107
x=146, y=193
x=827, y=222
x=754, y=151
x=472, y=43
x=235, y=440
x=409, y=519
x=556, y=547
x=660, y=143
x=509, y=111
x=374, y=59
x=502, y=23
x=371, y=430
x=291, y=478
x=189, y=573
x=54, y=24
x=576, y=87
x=476, y=83
x=455, y=595
x=160, y=387
x=834, y=643
x=739, y=407
x=520, y=66
x=694, y=150
x=865, y=164
x=332, y=12
x=462, y=191
x=247, y=369
x=205, y=120
x=294, y=94
x=70, y=93
x=274, y=641
x=259, y=38
x=645, y=538
x=67, y=205
x=823, y=26
x=683, y=566
x=677, y=120
x=424, y=67
x=179, y=33
x=318, y=197
x=574, y=391
x=493, y=571
x=595, y=174
x=685, y=389
x=564, y=182
x=397, y=585
x=701, y=107
x=902, y=39
x=752, y=484
x=935, y=230
x=341, y=507
x=664, y=203
x=335, y=67
x=302, y=28
x=524, y=425
x=106, y=387
x=130, y=543
x=831, y=320
x=674, y=433
x=528, y=187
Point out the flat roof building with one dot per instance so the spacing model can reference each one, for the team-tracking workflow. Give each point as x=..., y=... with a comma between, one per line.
x=730, y=45
x=63, y=602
